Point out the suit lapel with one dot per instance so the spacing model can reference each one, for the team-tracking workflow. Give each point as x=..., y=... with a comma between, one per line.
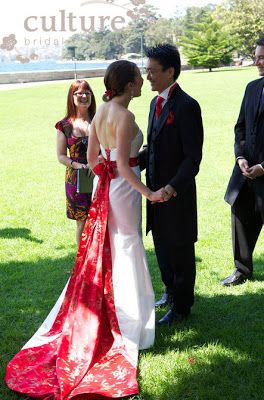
x=161, y=120
x=165, y=111
x=261, y=107
x=151, y=117
x=257, y=107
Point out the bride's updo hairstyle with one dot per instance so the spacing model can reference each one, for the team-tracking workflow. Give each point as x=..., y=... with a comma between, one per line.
x=117, y=76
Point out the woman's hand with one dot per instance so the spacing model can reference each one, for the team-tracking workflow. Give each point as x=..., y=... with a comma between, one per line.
x=77, y=165
x=158, y=196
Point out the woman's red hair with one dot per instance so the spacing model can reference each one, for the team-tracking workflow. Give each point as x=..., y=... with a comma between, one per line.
x=71, y=108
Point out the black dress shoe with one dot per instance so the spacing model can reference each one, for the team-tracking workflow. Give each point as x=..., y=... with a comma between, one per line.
x=171, y=318
x=164, y=301
x=236, y=278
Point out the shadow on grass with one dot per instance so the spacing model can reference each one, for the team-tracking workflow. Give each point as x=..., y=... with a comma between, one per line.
x=155, y=272
x=210, y=357
x=218, y=352
x=258, y=271
x=24, y=233
x=29, y=291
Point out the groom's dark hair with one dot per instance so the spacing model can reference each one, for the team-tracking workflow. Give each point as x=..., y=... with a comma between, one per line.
x=167, y=56
x=260, y=42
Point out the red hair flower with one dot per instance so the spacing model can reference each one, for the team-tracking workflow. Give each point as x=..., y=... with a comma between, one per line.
x=110, y=93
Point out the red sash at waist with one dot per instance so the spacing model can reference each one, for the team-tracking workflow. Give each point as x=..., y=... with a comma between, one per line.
x=108, y=167
x=133, y=162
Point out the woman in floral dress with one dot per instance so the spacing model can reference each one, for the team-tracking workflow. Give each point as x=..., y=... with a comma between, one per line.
x=73, y=132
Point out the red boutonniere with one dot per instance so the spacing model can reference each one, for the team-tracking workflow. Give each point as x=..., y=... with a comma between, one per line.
x=170, y=119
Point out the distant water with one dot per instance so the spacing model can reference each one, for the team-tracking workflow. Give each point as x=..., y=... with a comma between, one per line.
x=48, y=66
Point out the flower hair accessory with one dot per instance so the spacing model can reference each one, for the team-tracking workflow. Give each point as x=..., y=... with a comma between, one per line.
x=110, y=93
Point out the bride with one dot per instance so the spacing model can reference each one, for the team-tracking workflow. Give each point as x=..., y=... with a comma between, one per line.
x=87, y=348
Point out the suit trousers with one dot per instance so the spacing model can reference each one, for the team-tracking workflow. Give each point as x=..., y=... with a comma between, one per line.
x=178, y=270
x=247, y=222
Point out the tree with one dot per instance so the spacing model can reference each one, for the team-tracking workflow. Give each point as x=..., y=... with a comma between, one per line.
x=162, y=30
x=102, y=44
x=243, y=19
x=194, y=15
x=135, y=32
x=78, y=41
x=206, y=45
x=111, y=46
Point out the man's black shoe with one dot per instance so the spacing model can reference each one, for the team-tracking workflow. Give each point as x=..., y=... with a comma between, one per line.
x=164, y=301
x=171, y=318
x=236, y=278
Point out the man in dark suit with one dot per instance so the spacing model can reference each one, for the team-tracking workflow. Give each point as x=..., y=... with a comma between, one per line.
x=172, y=158
x=245, y=191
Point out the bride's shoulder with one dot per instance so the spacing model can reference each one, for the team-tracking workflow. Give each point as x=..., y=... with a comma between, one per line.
x=125, y=116
x=126, y=113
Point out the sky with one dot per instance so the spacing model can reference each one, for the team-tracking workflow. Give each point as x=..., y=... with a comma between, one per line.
x=15, y=12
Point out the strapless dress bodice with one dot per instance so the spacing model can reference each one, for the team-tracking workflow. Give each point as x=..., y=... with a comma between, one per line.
x=135, y=146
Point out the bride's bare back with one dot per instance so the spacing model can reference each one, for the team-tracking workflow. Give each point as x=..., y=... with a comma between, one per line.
x=109, y=120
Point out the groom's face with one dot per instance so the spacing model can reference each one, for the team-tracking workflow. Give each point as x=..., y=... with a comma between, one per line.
x=159, y=79
x=259, y=59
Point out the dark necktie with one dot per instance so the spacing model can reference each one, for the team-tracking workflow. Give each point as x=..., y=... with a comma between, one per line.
x=158, y=109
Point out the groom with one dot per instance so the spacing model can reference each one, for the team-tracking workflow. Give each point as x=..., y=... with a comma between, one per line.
x=172, y=158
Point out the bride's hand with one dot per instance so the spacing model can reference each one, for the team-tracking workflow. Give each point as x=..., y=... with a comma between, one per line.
x=158, y=196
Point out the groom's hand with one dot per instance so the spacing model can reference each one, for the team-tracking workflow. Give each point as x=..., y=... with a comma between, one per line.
x=169, y=191
x=254, y=172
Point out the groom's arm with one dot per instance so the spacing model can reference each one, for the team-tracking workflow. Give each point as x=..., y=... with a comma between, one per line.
x=143, y=157
x=191, y=131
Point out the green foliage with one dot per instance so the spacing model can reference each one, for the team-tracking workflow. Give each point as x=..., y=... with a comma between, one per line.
x=133, y=34
x=110, y=47
x=206, y=45
x=112, y=44
x=194, y=15
x=102, y=44
x=162, y=31
x=243, y=19
x=210, y=27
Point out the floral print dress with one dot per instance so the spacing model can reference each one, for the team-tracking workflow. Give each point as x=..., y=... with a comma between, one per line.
x=77, y=204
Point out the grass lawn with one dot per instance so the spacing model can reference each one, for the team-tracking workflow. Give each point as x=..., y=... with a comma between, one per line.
x=218, y=353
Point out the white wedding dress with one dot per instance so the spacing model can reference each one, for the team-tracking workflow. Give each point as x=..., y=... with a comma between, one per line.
x=88, y=345
x=133, y=293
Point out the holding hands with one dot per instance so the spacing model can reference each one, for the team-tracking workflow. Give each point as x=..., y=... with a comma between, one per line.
x=162, y=195
x=169, y=192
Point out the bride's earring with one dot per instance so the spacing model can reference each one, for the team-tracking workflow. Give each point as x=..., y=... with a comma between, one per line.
x=132, y=95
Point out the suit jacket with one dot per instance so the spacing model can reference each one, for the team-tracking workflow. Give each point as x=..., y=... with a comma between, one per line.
x=249, y=142
x=172, y=157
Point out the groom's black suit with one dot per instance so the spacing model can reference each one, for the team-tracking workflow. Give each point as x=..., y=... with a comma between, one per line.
x=245, y=196
x=172, y=157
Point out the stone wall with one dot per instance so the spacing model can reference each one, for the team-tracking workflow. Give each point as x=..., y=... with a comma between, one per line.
x=38, y=76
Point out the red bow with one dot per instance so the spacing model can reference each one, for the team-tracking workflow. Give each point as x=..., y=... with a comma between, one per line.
x=105, y=168
x=110, y=93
